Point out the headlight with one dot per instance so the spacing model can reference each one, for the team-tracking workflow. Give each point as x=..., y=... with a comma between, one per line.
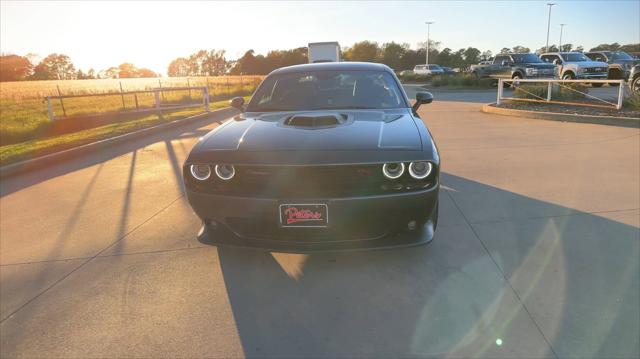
x=420, y=170
x=393, y=170
x=531, y=71
x=225, y=172
x=200, y=172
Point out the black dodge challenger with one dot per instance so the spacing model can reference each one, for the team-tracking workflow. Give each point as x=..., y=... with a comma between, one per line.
x=324, y=156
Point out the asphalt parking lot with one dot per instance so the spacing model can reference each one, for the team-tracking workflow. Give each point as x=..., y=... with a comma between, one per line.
x=536, y=255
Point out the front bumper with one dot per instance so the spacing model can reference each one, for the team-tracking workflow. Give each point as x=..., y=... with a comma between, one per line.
x=602, y=76
x=354, y=223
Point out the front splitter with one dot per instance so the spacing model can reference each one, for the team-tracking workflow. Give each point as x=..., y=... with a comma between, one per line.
x=220, y=236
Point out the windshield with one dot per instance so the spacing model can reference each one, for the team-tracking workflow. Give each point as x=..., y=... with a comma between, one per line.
x=577, y=57
x=620, y=55
x=323, y=90
x=525, y=58
x=435, y=67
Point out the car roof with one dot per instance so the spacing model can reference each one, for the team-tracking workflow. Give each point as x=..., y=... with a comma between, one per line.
x=334, y=66
x=561, y=53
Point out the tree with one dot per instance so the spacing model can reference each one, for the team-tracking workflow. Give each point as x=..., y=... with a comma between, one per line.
x=55, y=67
x=486, y=55
x=552, y=48
x=178, y=67
x=579, y=48
x=363, y=51
x=566, y=47
x=392, y=54
x=144, y=72
x=505, y=50
x=127, y=70
x=607, y=47
x=14, y=68
x=521, y=49
x=471, y=56
x=630, y=48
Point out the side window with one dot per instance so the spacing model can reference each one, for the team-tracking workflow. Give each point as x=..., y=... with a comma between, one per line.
x=499, y=60
x=546, y=58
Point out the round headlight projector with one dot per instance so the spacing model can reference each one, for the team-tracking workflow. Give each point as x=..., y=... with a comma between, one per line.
x=393, y=170
x=420, y=170
x=201, y=172
x=225, y=172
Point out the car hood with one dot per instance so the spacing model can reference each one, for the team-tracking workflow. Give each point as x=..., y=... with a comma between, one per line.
x=587, y=63
x=537, y=65
x=627, y=63
x=360, y=130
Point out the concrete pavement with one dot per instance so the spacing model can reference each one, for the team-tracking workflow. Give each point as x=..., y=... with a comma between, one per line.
x=536, y=255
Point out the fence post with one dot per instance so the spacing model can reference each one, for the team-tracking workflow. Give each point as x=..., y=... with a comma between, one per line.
x=157, y=97
x=160, y=85
x=124, y=107
x=620, y=95
x=50, y=110
x=228, y=90
x=135, y=96
x=499, y=91
x=64, y=112
x=206, y=99
x=189, y=86
x=549, y=88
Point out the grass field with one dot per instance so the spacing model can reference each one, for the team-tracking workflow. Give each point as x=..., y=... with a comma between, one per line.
x=23, y=112
x=39, y=147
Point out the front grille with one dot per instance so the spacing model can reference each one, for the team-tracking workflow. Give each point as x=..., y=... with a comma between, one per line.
x=595, y=69
x=310, y=182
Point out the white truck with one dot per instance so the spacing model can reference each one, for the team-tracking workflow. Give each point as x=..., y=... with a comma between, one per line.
x=324, y=52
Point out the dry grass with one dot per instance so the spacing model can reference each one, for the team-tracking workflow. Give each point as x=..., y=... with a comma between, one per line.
x=23, y=113
x=39, y=147
x=22, y=90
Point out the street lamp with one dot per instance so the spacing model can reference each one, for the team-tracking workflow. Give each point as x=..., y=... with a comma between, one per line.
x=549, y=24
x=428, y=38
x=560, y=45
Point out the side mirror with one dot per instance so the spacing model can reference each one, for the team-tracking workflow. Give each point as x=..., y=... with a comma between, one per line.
x=237, y=102
x=422, y=98
x=557, y=62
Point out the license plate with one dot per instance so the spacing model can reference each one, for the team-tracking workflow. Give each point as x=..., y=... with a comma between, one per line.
x=304, y=215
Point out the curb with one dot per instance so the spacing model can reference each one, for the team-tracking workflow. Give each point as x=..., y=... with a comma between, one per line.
x=64, y=155
x=565, y=117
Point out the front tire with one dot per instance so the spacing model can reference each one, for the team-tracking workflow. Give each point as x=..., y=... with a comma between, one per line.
x=568, y=76
x=635, y=85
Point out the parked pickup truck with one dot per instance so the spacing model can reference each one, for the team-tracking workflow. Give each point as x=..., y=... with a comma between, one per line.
x=620, y=63
x=575, y=65
x=515, y=66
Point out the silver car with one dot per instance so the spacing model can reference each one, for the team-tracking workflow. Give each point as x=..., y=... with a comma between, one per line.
x=575, y=65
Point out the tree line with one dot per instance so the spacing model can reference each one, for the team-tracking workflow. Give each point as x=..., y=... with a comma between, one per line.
x=399, y=56
x=60, y=67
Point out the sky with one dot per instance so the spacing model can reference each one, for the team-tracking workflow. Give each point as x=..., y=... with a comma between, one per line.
x=101, y=34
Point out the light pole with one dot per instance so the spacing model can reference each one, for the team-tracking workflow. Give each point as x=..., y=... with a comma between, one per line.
x=549, y=24
x=560, y=45
x=428, y=39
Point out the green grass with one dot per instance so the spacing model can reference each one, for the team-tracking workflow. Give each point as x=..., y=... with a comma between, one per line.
x=557, y=93
x=632, y=103
x=25, y=119
x=39, y=147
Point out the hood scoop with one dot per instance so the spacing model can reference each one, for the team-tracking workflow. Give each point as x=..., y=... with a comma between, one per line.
x=315, y=120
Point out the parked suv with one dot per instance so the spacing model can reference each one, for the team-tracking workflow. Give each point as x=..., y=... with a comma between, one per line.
x=575, y=65
x=428, y=70
x=620, y=63
x=515, y=66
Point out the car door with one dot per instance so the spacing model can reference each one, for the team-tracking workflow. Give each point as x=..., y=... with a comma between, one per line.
x=496, y=66
x=503, y=66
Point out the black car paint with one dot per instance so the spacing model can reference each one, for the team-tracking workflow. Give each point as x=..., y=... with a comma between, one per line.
x=367, y=137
